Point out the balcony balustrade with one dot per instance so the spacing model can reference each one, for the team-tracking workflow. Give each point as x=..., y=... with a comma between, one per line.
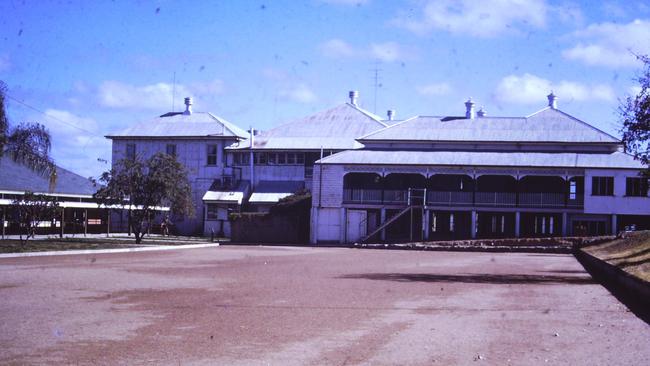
x=453, y=198
x=396, y=196
x=495, y=198
x=362, y=196
x=542, y=199
x=449, y=198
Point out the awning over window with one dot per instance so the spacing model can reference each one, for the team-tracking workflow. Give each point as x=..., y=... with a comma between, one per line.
x=273, y=191
x=222, y=194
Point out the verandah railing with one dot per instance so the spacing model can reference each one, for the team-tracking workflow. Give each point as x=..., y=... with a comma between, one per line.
x=455, y=198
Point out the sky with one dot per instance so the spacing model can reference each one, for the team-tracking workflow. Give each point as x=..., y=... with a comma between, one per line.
x=86, y=69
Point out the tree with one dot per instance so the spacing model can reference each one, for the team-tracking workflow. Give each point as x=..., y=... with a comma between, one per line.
x=634, y=114
x=27, y=143
x=146, y=185
x=32, y=209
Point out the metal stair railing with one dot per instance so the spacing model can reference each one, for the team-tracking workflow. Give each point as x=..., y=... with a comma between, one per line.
x=386, y=223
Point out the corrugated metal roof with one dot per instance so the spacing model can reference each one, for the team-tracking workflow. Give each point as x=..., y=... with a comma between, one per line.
x=17, y=177
x=336, y=128
x=197, y=124
x=272, y=191
x=234, y=195
x=547, y=125
x=472, y=158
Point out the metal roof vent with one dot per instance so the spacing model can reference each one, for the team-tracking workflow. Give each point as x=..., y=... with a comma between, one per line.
x=391, y=114
x=469, y=106
x=552, y=100
x=354, y=95
x=188, y=106
x=481, y=112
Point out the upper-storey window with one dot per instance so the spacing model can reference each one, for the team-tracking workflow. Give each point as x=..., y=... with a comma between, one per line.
x=602, y=186
x=171, y=149
x=636, y=186
x=130, y=151
x=212, y=155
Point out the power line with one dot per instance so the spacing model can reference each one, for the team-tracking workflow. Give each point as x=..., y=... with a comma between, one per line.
x=51, y=116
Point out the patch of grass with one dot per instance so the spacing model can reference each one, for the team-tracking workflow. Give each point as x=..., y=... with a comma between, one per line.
x=15, y=246
x=56, y=244
x=631, y=253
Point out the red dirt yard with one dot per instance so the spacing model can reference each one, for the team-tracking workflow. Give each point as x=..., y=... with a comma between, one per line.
x=294, y=306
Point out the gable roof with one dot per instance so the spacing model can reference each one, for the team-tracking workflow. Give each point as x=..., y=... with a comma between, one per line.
x=177, y=124
x=547, y=125
x=335, y=128
x=18, y=177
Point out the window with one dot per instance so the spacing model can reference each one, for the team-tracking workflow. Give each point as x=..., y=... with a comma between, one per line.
x=236, y=159
x=573, y=190
x=260, y=158
x=602, y=186
x=636, y=186
x=212, y=212
x=300, y=158
x=171, y=149
x=452, y=226
x=212, y=155
x=130, y=151
x=291, y=158
x=272, y=158
x=282, y=158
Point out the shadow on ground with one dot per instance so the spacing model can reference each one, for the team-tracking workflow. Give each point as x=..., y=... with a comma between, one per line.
x=499, y=279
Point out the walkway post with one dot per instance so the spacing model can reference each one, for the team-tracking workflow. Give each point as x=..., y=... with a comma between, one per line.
x=85, y=222
x=473, y=224
x=517, y=224
x=62, y=222
x=108, y=223
x=4, y=218
x=565, y=222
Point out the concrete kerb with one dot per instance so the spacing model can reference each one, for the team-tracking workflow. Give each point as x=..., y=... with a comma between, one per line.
x=108, y=251
x=630, y=290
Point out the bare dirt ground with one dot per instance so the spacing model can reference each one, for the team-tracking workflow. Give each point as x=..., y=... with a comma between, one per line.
x=321, y=306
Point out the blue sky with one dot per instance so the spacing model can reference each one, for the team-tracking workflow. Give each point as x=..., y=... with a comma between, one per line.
x=87, y=69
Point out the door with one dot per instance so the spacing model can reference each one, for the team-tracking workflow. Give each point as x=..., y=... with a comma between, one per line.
x=356, y=225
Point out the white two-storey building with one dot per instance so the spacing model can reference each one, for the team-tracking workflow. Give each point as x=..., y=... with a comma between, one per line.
x=197, y=139
x=430, y=178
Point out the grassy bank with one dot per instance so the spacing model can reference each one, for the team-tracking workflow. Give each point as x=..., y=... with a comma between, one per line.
x=630, y=253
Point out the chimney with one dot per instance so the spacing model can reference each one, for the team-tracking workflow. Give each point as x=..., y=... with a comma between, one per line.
x=391, y=114
x=469, y=105
x=188, y=106
x=552, y=100
x=481, y=112
x=354, y=95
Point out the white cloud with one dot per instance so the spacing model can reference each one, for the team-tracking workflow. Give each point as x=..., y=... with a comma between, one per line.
x=77, y=141
x=335, y=48
x=300, y=93
x=385, y=52
x=487, y=18
x=611, y=44
x=435, y=89
x=530, y=89
x=116, y=94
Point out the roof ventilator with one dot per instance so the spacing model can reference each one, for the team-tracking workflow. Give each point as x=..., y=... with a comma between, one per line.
x=188, y=106
x=391, y=114
x=552, y=100
x=354, y=95
x=469, y=112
